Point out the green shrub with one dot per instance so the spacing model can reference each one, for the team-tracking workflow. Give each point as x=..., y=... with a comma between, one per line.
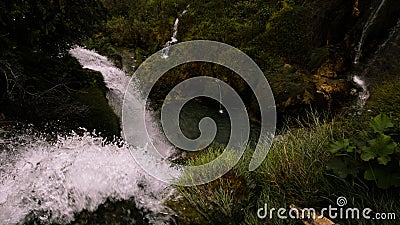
x=286, y=35
x=294, y=172
x=377, y=159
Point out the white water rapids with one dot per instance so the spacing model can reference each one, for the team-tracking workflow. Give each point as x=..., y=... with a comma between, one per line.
x=54, y=181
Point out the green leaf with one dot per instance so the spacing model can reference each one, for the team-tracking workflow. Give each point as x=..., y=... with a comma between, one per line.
x=382, y=146
x=373, y=173
x=380, y=123
x=343, y=144
x=367, y=154
x=383, y=177
x=384, y=160
x=343, y=167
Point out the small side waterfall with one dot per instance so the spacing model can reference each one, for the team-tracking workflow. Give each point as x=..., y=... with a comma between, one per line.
x=165, y=51
x=364, y=94
x=364, y=33
x=382, y=46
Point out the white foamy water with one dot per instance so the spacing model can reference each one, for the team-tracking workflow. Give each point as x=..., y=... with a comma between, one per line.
x=116, y=80
x=360, y=82
x=363, y=96
x=53, y=181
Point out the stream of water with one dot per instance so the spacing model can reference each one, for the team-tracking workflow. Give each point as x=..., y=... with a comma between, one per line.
x=52, y=182
x=174, y=39
x=364, y=95
x=367, y=25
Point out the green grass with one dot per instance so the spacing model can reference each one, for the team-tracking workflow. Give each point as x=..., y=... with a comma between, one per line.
x=294, y=172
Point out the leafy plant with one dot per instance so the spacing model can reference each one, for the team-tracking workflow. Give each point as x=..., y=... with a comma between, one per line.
x=378, y=157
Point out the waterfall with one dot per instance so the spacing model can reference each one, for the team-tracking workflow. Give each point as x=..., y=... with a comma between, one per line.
x=167, y=46
x=392, y=32
x=52, y=182
x=364, y=94
x=116, y=80
x=366, y=27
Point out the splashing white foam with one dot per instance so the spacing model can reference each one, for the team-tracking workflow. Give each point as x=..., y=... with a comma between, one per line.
x=360, y=82
x=55, y=181
x=52, y=182
x=363, y=96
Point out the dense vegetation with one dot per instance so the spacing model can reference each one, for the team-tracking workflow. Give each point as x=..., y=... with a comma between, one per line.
x=305, y=49
x=288, y=43
x=39, y=80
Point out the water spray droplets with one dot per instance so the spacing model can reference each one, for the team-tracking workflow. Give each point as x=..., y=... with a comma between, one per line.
x=221, y=111
x=363, y=96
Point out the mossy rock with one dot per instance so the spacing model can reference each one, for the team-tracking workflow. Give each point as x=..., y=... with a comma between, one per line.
x=99, y=115
x=385, y=98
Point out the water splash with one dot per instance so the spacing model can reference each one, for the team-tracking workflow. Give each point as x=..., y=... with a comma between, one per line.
x=221, y=111
x=167, y=46
x=51, y=182
x=366, y=27
x=364, y=94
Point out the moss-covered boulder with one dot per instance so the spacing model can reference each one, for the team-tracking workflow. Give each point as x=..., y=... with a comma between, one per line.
x=99, y=115
x=59, y=96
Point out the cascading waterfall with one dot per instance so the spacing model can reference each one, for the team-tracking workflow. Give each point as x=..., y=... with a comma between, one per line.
x=116, y=80
x=366, y=27
x=167, y=46
x=364, y=94
x=382, y=46
x=51, y=182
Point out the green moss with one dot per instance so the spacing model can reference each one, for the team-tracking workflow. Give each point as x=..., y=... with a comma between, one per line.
x=385, y=98
x=286, y=34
